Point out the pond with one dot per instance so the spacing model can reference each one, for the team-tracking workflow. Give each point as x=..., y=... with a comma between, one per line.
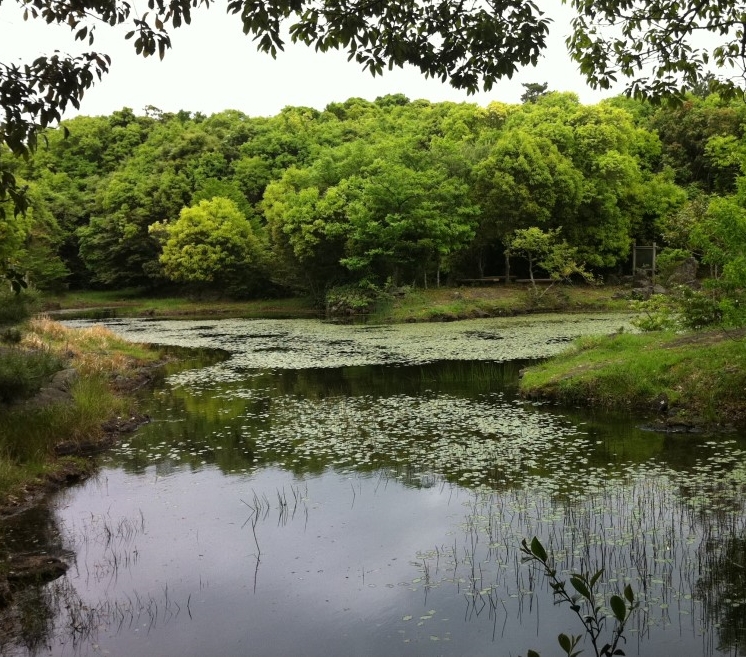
x=313, y=489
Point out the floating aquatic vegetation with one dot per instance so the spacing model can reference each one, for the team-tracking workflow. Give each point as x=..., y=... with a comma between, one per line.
x=298, y=344
x=299, y=395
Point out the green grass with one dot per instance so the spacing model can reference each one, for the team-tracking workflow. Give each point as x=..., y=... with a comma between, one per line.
x=437, y=304
x=419, y=305
x=702, y=374
x=28, y=436
x=133, y=302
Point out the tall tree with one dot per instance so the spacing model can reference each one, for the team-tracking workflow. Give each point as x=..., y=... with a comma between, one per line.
x=213, y=245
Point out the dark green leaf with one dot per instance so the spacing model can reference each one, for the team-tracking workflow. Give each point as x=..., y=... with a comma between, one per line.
x=565, y=643
x=578, y=582
x=629, y=594
x=538, y=550
x=618, y=607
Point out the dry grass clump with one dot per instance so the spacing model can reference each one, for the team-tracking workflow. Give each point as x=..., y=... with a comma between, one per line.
x=93, y=350
x=42, y=325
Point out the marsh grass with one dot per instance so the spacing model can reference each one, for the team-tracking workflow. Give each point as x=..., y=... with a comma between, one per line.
x=30, y=431
x=92, y=350
x=702, y=374
x=29, y=435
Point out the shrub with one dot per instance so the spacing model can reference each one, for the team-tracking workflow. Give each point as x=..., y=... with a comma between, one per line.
x=353, y=299
x=658, y=313
x=669, y=259
x=22, y=373
x=698, y=309
x=16, y=307
x=11, y=335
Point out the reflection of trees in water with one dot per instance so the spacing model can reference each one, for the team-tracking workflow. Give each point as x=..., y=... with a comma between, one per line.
x=222, y=425
x=722, y=589
x=42, y=616
x=26, y=624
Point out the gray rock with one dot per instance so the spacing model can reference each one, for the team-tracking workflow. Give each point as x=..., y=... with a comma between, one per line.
x=685, y=273
x=64, y=379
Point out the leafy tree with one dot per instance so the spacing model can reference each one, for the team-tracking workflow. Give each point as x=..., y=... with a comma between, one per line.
x=544, y=249
x=657, y=45
x=306, y=220
x=211, y=243
x=695, y=139
x=472, y=46
x=14, y=230
x=152, y=185
x=525, y=181
x=407, y=222
x=533, y=91
x=616, y=160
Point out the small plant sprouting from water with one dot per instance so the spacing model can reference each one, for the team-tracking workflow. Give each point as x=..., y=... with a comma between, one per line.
x=584, y=603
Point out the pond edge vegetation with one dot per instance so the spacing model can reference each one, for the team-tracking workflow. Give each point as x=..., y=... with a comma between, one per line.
x=65, y=395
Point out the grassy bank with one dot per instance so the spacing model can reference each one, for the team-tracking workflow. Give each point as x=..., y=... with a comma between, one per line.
x=690, y=379
x=418, y=305
x=62, y=403
x=133, y=302
x=446, y=304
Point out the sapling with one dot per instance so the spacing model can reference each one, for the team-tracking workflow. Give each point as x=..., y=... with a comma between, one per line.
x=584, y=603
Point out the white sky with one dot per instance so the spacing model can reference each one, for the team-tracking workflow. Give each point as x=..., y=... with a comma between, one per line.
x=213, y=66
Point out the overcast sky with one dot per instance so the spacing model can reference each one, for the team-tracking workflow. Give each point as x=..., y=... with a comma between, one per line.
x=213, y=66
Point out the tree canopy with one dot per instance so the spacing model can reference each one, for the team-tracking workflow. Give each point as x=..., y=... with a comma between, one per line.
x=655, y=45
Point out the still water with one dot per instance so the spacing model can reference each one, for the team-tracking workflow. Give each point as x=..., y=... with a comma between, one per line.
x=311, y=489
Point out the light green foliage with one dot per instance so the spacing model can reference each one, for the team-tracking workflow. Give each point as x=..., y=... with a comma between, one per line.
x=699, y=140
x=469, y=46
x=13, y=232
x=658, y=313
x=400, y=189
x=721, y=238
x=676, y=227
x=545, y=250
x=668, y=259
x=406, y=221
x=525, y=181
x=152, y=185
x=557, y=163
x=211, y=242
x=209, y=188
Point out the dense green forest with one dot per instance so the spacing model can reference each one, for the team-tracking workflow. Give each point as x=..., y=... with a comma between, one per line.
x=371, y=195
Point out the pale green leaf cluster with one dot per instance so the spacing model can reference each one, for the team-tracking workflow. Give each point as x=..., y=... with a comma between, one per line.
x=208, y=243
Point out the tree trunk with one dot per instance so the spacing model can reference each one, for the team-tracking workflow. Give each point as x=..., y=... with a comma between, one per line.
x=507, y=267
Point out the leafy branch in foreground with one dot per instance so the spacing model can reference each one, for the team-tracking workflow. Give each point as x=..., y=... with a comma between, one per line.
x=584, y=603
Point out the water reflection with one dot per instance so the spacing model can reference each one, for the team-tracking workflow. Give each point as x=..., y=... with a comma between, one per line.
x=378, y=510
